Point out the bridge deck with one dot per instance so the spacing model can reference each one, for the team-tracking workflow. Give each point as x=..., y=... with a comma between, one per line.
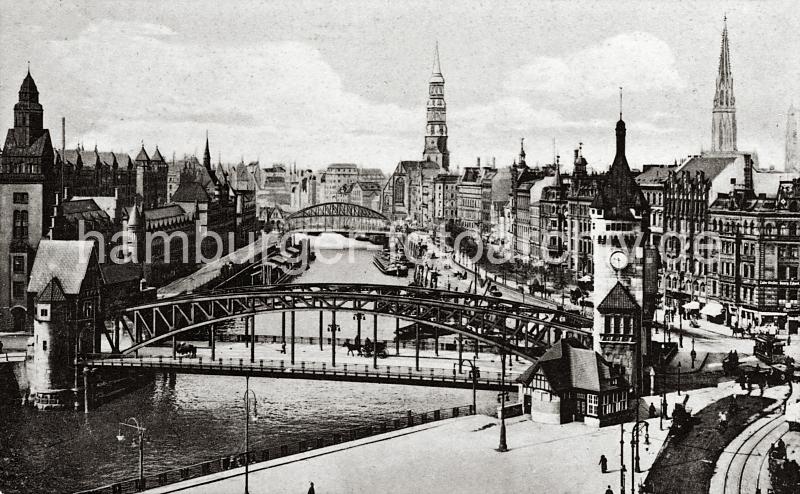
x=385, y=374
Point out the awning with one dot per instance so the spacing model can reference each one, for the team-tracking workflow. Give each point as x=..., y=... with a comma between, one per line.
x=585, y=278
x=712, y=309
x=693, y=305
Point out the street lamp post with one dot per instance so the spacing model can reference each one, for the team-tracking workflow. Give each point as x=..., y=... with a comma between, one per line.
x=503, y=447
x=333, y=328
x=359, y=316
x=132, y=423
x=679, y=378
x=247, y=394
x=635, y=443
x=475, y=373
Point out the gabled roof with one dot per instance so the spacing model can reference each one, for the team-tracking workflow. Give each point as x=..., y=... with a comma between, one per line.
x=114, y=273
x=190, y=192
x=157, y=156
x=568, y=365
x=618, y=299
x=52, y=292
x=67, y=260
x=142, y=156
x=620, y=196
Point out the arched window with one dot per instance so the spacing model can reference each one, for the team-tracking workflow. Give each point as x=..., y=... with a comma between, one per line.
x=399, y=191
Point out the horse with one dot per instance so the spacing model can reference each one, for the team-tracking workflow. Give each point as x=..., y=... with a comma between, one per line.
x=184, y=349
x=738, y=330
x=352, y=347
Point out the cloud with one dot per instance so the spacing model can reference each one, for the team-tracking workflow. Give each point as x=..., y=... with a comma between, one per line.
x=127, y=81
x=637, y=61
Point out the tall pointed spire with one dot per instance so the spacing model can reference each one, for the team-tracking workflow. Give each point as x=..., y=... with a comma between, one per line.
x=207, y=155
x=437, y=65
x=436, y=130
x=723, y=130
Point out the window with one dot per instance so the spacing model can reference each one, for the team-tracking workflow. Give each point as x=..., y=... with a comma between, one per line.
x=44, y=345
x=20, y=230
x=18, y=263
x=44, y=312
x=18, y=290
x=20, y=198
x=592, y=402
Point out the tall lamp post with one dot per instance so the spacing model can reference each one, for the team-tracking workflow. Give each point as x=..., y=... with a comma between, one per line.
x=503, y=447
x=635, y=443
x=358, y=317
x=139, y=430
x=247, y=394
x=475, y=373
x=333, y=328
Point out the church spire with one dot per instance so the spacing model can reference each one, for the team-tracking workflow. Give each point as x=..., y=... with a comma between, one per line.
x=437, y=65
x=207, y=155
x=436, y=133
x=723, y=131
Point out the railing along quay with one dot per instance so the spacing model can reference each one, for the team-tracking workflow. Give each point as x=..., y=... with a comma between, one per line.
x=443, y=377
x=272, y=453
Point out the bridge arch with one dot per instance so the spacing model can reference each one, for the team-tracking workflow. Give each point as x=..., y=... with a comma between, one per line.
x=490, y=320
x=338, y=216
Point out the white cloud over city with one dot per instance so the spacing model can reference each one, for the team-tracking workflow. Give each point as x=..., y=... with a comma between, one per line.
x=317, y=84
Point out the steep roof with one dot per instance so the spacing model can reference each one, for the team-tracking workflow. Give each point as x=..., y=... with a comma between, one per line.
x=568, y=365
x=190, y=192
x=654, y=174
x=620, y=196
x=142, y=156
x=157, y=156
x=618, y=299
x=52, y=292
x=711, y=166
x=169, y=211
x=67, y=260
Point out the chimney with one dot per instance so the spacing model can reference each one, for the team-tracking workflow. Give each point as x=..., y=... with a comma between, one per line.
x=494, y=163
x=479, y=162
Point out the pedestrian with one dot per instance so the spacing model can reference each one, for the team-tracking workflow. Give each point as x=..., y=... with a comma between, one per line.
x=283, y=347
x=1, y=347
x=603, y=464
x=652, y=411
x=311, y=489
x=608, y=490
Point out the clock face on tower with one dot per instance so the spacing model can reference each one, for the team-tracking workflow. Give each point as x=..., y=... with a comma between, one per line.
x=618, y=260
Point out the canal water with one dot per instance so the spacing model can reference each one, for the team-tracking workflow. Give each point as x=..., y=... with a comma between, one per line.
x=197, y=418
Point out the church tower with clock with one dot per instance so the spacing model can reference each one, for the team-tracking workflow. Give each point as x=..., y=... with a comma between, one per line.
x=436, y=132
x=619, y=216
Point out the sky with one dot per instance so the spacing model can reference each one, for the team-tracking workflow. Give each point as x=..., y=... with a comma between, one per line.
x=324, y=82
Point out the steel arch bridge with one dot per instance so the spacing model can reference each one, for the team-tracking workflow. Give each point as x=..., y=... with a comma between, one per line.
x=513, y=327
x=339, y=217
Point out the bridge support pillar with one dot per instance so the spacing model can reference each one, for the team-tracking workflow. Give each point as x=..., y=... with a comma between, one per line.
x=246, y=331
x=436, y=340
x=374, y=341
x=397, y=336
x=174, y=347
x=283, y=327
x=213, y=341
x=416, y=345
x=320, y=329
x=252, y=339
x=292, y=337
x=86, y=390
x=460, y=353
x=333, y=339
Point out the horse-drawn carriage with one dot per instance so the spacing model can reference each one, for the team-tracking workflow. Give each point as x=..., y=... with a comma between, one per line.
x=682, y=419
x=378, y=347
x=366, y=349
x=730, y=363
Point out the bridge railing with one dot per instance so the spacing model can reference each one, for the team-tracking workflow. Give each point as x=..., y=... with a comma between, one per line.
x=243, y=365
x=238, y=459
x=13, y=356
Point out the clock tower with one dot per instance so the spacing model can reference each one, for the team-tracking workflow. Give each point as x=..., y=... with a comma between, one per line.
x=436, y=131
x=619, y=229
